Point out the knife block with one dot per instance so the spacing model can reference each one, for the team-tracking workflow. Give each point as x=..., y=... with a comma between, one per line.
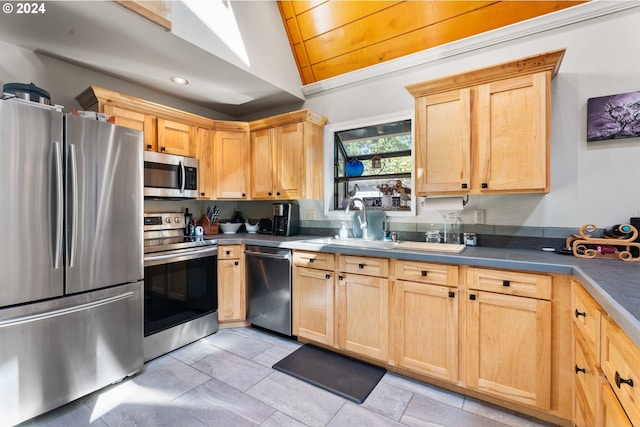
x=207, y=227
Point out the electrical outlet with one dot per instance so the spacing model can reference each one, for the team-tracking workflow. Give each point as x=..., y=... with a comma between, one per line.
x=311, y=214
x=479, y=216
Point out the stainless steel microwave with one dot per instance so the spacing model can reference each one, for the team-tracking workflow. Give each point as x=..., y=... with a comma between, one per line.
x=170, y=176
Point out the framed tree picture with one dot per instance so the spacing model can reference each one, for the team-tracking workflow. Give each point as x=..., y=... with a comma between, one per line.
x=613, y=116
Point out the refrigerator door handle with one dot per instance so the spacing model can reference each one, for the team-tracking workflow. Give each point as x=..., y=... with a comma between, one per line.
x=59, y=208
x=182, y=177
x=73, y=194
x=63, y=311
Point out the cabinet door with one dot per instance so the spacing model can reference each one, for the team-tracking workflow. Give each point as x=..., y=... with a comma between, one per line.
x=620, y=362
x=231, y=153
x=231, y=290
x=288, y=160
x=262, y=167
x=363, y=315
x=613, y=414
x=426, y=329
x=204, y=154
x=443, y=156
x=586, y=384
x=176, y=138
x=313, y=297
x=135, y=120
x=512, y=118
x=508, y=347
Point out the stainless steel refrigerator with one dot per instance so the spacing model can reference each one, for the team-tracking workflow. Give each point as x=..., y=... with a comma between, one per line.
x=71, y=257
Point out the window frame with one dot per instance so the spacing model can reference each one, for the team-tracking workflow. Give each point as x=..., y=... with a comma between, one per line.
x=329, y=155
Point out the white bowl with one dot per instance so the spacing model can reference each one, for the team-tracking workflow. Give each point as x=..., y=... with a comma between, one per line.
x=251, y=228
x=230, y=227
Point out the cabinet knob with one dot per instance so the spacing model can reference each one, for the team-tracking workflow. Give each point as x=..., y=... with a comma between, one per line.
x=452, y=294
x=236, y=263
x=472, y=297
x=328, y=276
x=464, y=185
x=506, y=283
x=278, y=193
x=579, y=369
x=340, y=277
x=244, y=195
x=620, y=380
x=424, y=273
x=227, y=252
x=311, y=260
x=484, y=185
x=162, y=149
x=580, y=313
x=201, y=194
x=360, y=266
x=270, y=193
x=148, y=146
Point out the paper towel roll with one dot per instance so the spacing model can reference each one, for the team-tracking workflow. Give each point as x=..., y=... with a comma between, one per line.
x=445, y=204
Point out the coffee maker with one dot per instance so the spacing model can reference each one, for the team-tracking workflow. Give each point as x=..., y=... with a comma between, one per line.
x=286, y=219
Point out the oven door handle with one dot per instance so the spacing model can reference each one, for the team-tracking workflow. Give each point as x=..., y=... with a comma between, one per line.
x=268, y=255
x=176, y=256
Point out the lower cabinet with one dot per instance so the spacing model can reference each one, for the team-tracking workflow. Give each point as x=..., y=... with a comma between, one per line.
x=424, y=318
x=363, y=315
x=231, y=286
x=508, y=336
x=313, y=297
x=613, y=414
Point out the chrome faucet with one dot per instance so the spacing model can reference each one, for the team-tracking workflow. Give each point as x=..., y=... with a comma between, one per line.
x=363, y=224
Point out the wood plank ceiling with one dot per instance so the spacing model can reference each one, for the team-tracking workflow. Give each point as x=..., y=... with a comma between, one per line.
x=333, y=37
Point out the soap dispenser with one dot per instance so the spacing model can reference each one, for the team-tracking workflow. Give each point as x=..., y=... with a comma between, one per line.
x=344, y=233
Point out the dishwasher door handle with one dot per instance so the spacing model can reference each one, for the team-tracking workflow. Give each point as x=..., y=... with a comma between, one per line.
x=268, y=255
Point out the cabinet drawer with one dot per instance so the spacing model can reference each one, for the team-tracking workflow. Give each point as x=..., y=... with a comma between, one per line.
x=364, y=265
x=510, y=283
x=585, y=313
x=620, y=362
x=612, y=413
x=436, y=274
x=318, y=260
x=229, y=251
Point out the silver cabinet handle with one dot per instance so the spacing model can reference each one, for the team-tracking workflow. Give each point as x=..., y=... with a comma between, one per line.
x=62, y=311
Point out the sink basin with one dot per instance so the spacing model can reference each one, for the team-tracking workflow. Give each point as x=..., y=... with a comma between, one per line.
x=354, y=243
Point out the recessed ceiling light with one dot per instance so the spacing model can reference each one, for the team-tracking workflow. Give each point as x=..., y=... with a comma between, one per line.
x=179, y=80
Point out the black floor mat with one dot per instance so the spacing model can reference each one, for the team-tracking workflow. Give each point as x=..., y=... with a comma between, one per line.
x=344, y=376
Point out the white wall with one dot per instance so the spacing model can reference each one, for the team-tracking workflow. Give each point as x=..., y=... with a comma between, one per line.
x=65, y=81
x=590, y=183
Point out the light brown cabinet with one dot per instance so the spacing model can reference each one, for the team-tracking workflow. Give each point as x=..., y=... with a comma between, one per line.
x=487, y=130
x=231, y=285
x=313, y=296
x=508, y=335
x=286, y=156
x=231, y=164
x=424, y=318
x=607, y=367
x=362, y=306
x=166, y=130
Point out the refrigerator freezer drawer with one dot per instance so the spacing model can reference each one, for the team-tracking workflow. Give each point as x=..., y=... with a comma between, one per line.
x=56, y=351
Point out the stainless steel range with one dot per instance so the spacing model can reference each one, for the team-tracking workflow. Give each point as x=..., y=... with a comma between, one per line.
x=180, y=285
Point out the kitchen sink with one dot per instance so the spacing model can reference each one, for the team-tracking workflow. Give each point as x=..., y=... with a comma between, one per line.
x=354, y=243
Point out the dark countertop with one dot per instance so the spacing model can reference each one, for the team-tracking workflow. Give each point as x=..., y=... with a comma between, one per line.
x=613, y=283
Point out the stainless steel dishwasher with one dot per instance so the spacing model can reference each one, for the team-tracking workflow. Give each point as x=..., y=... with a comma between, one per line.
x=268, y=275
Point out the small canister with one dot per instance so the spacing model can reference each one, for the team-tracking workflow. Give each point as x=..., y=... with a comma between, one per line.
x=470, y=239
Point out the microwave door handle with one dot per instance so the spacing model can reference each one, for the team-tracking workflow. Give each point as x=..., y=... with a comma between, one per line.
x=182, y=177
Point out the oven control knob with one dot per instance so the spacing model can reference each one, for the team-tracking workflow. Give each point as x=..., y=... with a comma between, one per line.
x=168, y=220
x=177, y=220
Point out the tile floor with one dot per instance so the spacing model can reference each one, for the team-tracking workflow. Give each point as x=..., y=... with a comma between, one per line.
x=226, y=380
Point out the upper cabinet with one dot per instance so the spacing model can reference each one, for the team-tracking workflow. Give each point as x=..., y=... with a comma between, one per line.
x=487, y=130
x=166, y=130
x=286, y=156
